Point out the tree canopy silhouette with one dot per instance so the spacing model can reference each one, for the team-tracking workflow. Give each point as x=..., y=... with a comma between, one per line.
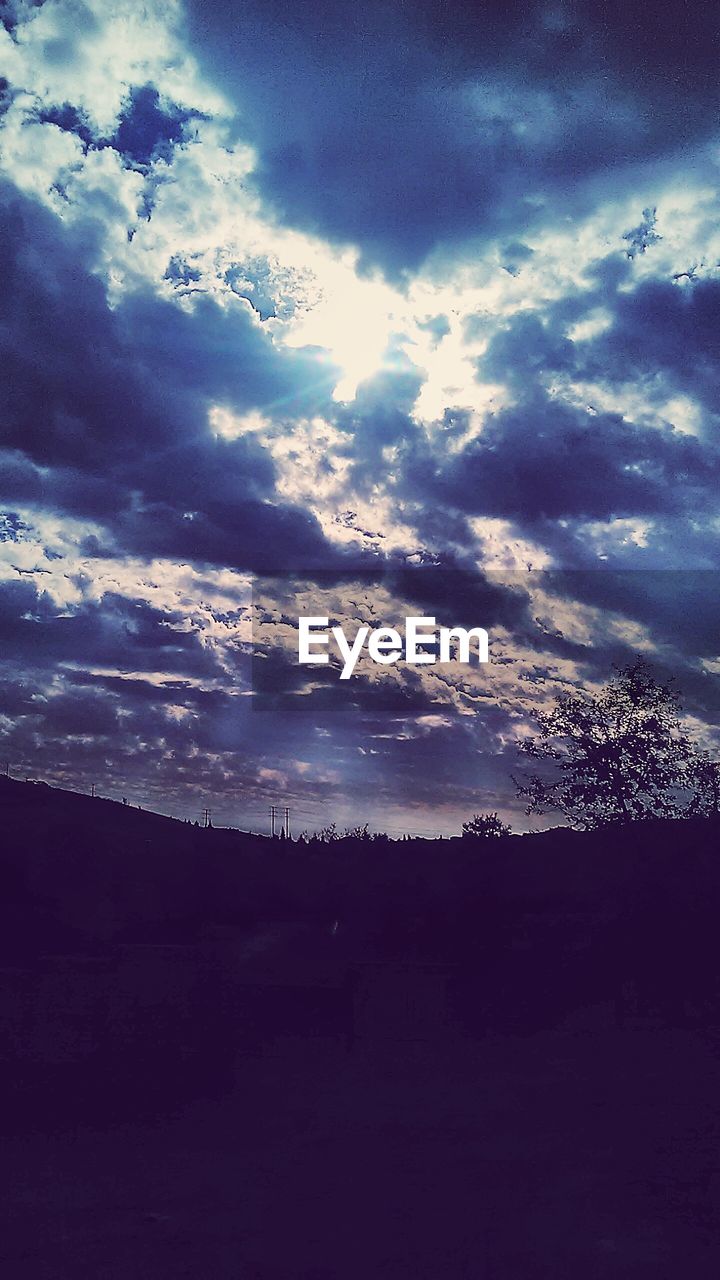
x=614, y=756
x=705, y=775
x=485, y=826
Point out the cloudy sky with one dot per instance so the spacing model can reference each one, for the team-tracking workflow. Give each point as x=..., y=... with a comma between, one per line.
x=360, y=309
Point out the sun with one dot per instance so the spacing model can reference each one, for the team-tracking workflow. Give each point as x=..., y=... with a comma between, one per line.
x=352, y=319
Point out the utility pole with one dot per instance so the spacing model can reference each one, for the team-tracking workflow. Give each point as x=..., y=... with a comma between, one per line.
x=206, y=818
x=92, y=790
x=287, y=823
x=273, y=809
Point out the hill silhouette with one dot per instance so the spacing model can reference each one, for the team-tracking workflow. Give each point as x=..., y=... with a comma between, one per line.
x=87, y=874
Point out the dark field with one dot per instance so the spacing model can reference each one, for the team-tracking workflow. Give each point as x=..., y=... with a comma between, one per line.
x=562, y=1155
x=227, y=1059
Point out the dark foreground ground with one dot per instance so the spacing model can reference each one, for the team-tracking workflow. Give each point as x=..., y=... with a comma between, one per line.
x=225, y=1058
x=561, y=1155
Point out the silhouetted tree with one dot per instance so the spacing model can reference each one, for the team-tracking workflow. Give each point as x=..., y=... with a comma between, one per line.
x=485, y=826
x=614, y=756
x=362, y=833
x=704, y=774
x=327, y=835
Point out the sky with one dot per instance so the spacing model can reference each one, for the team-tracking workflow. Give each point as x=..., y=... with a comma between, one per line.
x=362, y=311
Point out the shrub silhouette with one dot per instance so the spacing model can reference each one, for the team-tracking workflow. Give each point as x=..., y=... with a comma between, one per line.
x=485, y=826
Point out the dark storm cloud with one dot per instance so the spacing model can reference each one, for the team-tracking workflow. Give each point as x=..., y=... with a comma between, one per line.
x=78, y=713
x=118, y=632
x=661, y=328
x=456, y=593
x=679, y=607
x=135, y=688
x=546, y=460
x=459, y=595
x=81, y=377
x=245, y=534
x=549, y=465
x=654, y=327
x=68, y=716
x=67, y=118
x=317, y=697
x=147, y=130
x=379, y=417
x=69, y=490
x=104, y=413
x=398, y=127
x=330, y=725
